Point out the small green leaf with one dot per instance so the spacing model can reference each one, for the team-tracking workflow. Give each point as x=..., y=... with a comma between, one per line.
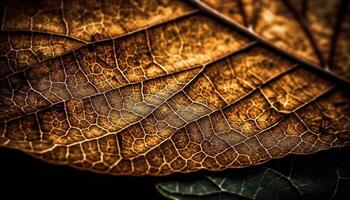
x=320, y=176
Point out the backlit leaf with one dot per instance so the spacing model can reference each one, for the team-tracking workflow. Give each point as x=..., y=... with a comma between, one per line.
x=157, y=87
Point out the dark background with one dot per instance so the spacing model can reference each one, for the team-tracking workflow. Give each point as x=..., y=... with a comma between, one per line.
x=19, y=171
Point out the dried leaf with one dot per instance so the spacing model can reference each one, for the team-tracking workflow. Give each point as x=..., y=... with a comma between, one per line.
x=156, y=87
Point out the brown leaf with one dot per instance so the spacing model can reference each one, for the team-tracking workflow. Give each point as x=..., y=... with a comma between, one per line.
x=156, y=87
x=318, y=31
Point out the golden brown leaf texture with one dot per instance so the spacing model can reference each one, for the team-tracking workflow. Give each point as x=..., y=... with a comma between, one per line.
x=318, y=31
x=156, y=87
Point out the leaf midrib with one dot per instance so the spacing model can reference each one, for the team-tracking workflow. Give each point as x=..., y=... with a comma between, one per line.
x=222, y=18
